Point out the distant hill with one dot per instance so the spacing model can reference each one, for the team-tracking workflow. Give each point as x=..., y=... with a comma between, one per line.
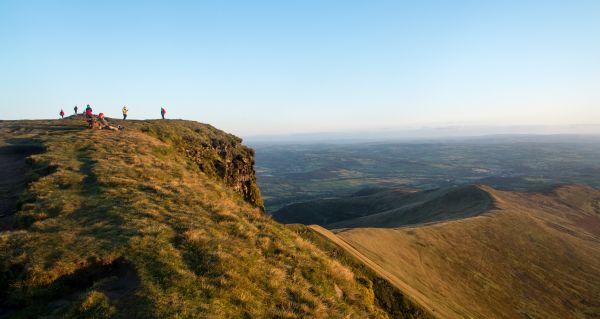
x=527, y=255
x=161, y=220
x=389, y=208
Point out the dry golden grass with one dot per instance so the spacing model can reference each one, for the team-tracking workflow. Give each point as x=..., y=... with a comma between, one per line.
x=533, y=256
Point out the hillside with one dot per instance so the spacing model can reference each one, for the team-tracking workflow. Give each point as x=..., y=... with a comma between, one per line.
x=389, y=208
x=530, y=255
x=327, y=211
x=161, y=220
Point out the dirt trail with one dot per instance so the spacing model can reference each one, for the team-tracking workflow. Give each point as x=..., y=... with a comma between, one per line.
x=13, y=168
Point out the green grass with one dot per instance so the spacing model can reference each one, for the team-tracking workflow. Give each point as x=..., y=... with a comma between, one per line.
x=103, y=205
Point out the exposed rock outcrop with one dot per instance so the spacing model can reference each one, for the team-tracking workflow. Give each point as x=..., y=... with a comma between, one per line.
x=229, y=161
x=218, y=154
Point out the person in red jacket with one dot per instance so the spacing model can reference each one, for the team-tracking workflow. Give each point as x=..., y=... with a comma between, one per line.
x=62, y=114
x=163, y=112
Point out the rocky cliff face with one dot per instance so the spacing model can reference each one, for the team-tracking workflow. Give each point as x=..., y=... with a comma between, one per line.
x=218, y=154
x=230, y=162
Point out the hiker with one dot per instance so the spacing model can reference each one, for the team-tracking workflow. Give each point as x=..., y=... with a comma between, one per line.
x=88, y=111
x=163, y=112
x=125, y=110
x=75, y=109
x=62, y=114
x=104, y=123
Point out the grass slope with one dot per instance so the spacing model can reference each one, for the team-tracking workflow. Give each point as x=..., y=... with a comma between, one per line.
x=327, y=211
x=534, y=255
x=120, y=224
x=386, y=294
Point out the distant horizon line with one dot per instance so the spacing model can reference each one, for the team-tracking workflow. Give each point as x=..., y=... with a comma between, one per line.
x=413, y=132
x=447, y=130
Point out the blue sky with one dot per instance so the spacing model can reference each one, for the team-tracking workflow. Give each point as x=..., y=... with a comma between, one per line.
x=279, y=67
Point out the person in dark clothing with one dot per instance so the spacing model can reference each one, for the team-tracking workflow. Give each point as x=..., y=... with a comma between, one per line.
x=88, y=112
x=163, y=112
x=62, y=114
x=75, y=109
x=125, y=110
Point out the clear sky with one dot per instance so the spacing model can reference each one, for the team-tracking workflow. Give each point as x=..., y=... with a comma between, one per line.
x=276, y=67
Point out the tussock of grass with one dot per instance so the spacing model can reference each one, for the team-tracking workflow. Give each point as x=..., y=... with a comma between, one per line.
x=198, y=247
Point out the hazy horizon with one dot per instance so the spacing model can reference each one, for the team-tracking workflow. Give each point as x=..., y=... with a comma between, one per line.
x=430, y=132
x=269, y=68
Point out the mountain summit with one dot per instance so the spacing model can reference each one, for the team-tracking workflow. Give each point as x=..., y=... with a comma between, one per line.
x=163, y=219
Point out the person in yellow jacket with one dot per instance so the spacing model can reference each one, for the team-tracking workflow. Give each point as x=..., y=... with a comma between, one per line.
x=125, y=110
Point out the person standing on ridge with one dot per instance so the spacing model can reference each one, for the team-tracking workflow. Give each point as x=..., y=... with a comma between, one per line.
x=62, y=114
x=125, y=110
x=75, y=109
x=163, y=112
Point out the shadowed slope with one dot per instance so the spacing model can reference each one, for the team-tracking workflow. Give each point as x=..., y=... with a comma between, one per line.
x=390, y=208
x=13, y=169
x=327, y=211
x=430, y=207
x=535, y=255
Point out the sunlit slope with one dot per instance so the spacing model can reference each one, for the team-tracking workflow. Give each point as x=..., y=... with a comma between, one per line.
x=533, y=256
x=161, y=220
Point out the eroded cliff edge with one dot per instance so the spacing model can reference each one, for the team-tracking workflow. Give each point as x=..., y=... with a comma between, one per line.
x=218, y=154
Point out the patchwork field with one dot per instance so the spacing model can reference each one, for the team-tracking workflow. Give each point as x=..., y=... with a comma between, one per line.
x=289, y=174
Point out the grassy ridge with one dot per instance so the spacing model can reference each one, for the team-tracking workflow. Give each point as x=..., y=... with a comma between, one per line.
x=120, y=224
x=534, y=255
